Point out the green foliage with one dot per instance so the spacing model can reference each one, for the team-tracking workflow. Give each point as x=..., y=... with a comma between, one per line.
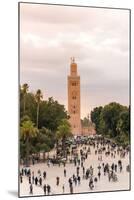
x=47, y=115
x=22, y=149
x=51, y=114
x=86, y=122
x=27, y=131
x=111, y=115
x=123, y=123
x=96, y=118
x=23, y=93
x=30, y=107
x=112, y=121
x=64, y=129
x=63, y=132
x=38, y=97
x=24, y=88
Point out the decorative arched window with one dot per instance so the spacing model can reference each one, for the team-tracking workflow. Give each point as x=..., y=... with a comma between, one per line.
x=73, y=97
x=74, y=94
x=74, y=83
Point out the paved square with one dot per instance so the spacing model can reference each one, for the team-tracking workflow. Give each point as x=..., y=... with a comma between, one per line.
x=101, y=185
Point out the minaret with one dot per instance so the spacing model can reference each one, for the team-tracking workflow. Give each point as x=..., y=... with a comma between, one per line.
x=74, y=98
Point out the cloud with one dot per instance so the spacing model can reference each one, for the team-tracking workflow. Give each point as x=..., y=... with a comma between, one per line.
x=98, y=38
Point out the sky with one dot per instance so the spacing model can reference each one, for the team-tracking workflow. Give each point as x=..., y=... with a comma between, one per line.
x=98, y=38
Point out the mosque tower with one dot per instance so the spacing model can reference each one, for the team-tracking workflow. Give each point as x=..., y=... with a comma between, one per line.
x=74, y=99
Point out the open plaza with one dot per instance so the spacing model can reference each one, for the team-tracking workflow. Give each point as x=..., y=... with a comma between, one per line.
x=86, y=160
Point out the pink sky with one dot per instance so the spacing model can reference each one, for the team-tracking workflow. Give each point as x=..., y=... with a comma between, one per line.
x=99, y=40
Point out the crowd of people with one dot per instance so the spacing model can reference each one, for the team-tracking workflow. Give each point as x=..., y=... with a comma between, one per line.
x=84, y=171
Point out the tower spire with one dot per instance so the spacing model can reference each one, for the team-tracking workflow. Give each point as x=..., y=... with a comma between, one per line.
x=73, y=67
x=72, y=59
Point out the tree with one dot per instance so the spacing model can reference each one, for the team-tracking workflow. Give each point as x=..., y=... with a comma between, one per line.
x=24, y=91
x=86, y=122
x=38, y=97
x=47, y=140
x=27, y=131
x=43, y=143
x=96, y=118
x=123, y=127
x=47, y=115
x=63, y=132
x=30, y=108
x=110, y=115
x=51, y=114
x=113, y=121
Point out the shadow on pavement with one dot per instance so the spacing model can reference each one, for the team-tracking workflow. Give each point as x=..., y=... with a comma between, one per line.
x=13, y=193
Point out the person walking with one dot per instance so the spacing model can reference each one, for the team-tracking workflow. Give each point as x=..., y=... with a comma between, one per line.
x=40, y=181
x=31, y=189
x=99, y=174
x=75, y=162
x=78, y=161
x=44, y=174
x=95, y=179
x=75, y=180
x=57, y=180
x=29, y=172
x=120, y=168
x=63, y=188
x=71, y=187
x=25, y=171
x=83, y=170
x=115, y=167
x=91, y=186
x=65, y=172
x=32, y=177
x=29, y=179
x=48, y=189
x=112, y=167
x=109, y=176
x=77, y=171
x=21, y=179
x=22, y=171
x=69, y=180
x=45, y=189
x=99, y=167
x=36, y=180
x=64, y=164
x=79, y=180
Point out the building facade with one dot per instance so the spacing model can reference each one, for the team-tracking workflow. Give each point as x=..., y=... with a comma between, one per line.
x=89, y=130
x=74, y=99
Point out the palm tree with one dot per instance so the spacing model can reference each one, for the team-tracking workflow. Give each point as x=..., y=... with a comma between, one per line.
x=44, y=141
x=38, y=97
x=28, y=131
x=24, y=91
x=63, y=132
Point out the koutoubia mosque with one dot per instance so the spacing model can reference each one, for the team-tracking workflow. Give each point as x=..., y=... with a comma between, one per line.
x=74, y=103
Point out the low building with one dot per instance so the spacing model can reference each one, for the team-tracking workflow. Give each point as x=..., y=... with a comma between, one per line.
x=89, y=130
